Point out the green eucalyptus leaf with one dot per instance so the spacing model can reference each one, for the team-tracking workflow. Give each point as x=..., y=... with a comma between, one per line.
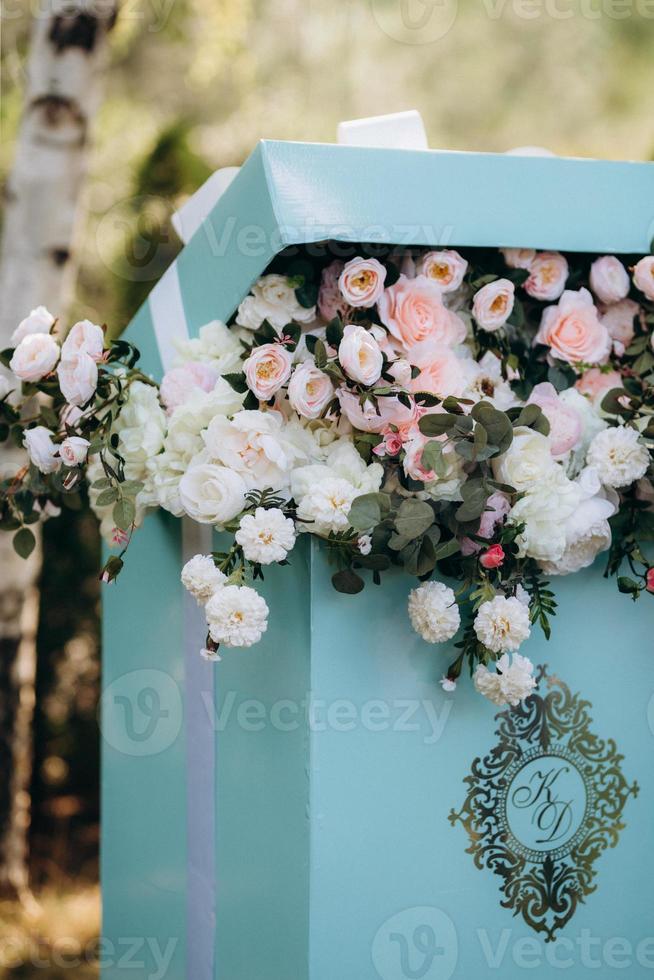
x=365, y=511
x=413, y=518
x=347, y=581
x=24, y=542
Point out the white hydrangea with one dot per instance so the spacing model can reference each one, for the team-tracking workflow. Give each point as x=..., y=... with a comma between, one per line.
x=237, y=616
x=216, y=345
x=266, y=536
x=201, y=578
x=502, y=624
x=619, y=456
x=434, y=612
x=510, y=683
x=273, y=299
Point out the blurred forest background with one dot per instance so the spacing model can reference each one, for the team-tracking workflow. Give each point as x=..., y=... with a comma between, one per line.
x=191, y=86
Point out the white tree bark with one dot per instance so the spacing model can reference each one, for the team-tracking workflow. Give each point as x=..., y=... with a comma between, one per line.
x=67, y=59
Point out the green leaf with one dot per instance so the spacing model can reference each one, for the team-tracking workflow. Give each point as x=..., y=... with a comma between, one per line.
x=447, y=548
x=320, y=354
x=123, y=513
x=237, y=381
x=626, y=584
x=497, y=424
x=376, y=563
x=413, y=518
x=24, y=542
x=334, y=331
x=436, y=424
x=101, y=484
x=611, y=403
x=432, y=458
x=365, y=512
x=107, y=497
x=347, y=581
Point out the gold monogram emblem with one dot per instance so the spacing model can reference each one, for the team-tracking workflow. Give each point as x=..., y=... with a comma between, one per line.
x=544, y=804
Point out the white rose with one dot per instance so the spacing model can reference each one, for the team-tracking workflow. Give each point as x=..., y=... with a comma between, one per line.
x=493, y=304
x=74, y=450
x=609, y=279
x=619, y=456
x=544, y=510
x=510, y=683
x=78, y=378
x=400, y=371
x=502, y=624
x=237, y=616
x=310, y=391
x=40, y=320
x=42, y=451
x=344, y=460
x=587, y=529
x=266, y=369
x=178, y=384
x=527, y=461
x=201, y=578
x=360, y=355
x=434, y=612
x=216, y=346
x=266, y=536
x=140, y=426
x=487, y=384
x=164, y=472
x=84, y=337
x=35, y=356
x=273, y=299
x=644, y=276
x=212, y=494
x=255, y=445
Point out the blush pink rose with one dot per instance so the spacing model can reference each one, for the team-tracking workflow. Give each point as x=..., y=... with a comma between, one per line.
x=266, y=369
x=179, y=383
x=572, y=330
x=497, y=507
x=84, y=337
x=493, y=304
x=413, y=312
x=412, y=463
x=78, y=378
x=519, y=258
x=309, y=391
x=359, y=355
x=548, y=273
x=442, y=372
x=566, y=424
x=390, y=445
x=445, y=268
x=362, y=282
x=644, y=276
x=595, y=383
x=330, y=299
x=609, y=279
x=35, y=356
x=367, y=419
x=619, y=321
x=493, y=557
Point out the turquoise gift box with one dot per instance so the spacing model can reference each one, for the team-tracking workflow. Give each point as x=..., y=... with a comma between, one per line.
x=317, y=808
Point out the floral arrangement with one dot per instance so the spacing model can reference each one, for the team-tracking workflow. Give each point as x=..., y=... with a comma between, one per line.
x=483, y=420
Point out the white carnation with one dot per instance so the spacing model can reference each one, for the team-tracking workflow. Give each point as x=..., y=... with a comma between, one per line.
x=502, y=624
x=201, y=577
x=434, y=612
x=237, y=616
x=510, y=683
x=327, y=504
x=273, y=299
x=266, y=536
x=619, y=456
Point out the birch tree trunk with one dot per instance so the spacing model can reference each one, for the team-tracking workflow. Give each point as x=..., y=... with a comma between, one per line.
x=67, y=58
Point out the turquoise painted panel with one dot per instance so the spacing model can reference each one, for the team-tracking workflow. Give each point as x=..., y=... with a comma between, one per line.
x=143, y=854
x=140, y=332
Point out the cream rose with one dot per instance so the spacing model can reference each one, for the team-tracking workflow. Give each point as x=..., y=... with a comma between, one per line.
x=445, y=268
x=572, y=330
x=266, y=369
x=35, y=356
x=360, y=355
x=493, y=304
x=42, y=451
x=40, y=320
x=83, y=337
x=212, y=494
x=362, y=282
x=527, y=461
x=273, y=299
x=643, y=276
x=78, y=378
x=609, y=279
x=309, y=391
x=413, y=312
x=73, y=450
x=548, y=273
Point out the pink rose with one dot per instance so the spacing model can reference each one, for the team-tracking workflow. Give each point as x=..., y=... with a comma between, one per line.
x=493, y=557
x=445, y=268
x=442, y=372
x=595, y=383
x=391, y=444
x=609, y=279
x=266, y=369
x=619, y=321
x=412, y=463
x=497, y=507
x=309, y=391
x=179, y=383
x=35, y=356
x=566, y=424
x=413, y=312
x=572, y=330
x=78, y=378
x=84, y=337
x=644, y=276
x=493, y=304
x=519, y=258
x=547, y=276
x=73, y=450
x=330, y=299
x=649, y=580
x=362, y=282
x=367, y=419
x=360, y=356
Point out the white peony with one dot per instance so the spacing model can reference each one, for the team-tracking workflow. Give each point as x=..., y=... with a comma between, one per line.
x=216, y=346
x=527, y=461
x=619, y=456
x=502, y=624
x=237, y=616
x=73, y=450
x=266, y=536
x=78, y=378
x=42, y=451
x=255, y=445
x=35, y=356
x=510, y=683
x=201, y=578
x=434, y=612
x=273, y=299
x=587, y=529
x=211, y=494
x=544, y=510
x=40, y=320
